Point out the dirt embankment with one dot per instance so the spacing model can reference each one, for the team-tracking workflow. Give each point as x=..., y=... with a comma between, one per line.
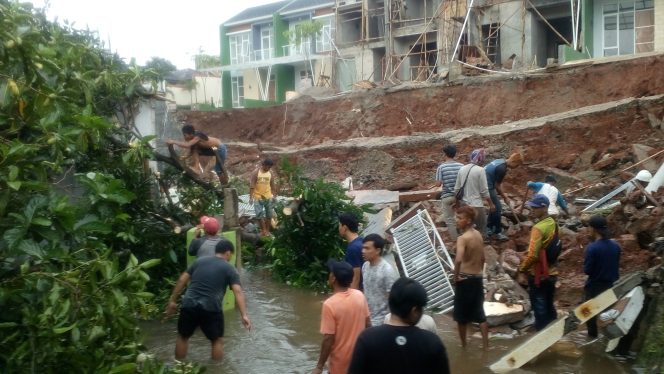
x=431, y=109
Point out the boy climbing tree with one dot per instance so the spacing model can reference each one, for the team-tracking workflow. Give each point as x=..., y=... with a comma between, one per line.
x=200, y=144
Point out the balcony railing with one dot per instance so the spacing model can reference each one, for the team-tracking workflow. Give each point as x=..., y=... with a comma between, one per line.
x=303, y=49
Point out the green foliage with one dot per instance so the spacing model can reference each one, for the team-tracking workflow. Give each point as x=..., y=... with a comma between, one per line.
x=309, y=237
x=307, y=30
x=203, y=61
x=160, y=66
x=78, y=217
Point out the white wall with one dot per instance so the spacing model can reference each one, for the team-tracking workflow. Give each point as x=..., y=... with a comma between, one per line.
x=207, y=89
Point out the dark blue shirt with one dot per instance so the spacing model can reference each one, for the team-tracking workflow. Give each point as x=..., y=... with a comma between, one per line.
x=354, y=255
x=602, y=262
x=495, y=172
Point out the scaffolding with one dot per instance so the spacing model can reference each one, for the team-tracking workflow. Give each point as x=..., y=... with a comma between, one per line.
x=461, y=36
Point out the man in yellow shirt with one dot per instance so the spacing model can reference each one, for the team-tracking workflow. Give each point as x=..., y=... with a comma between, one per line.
x=262, y=193
x=535, y=269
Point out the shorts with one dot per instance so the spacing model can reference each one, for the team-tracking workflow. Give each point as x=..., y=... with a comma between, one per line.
x=263, y=208
x=469, y=301
x=221, y=152
x=211, y=323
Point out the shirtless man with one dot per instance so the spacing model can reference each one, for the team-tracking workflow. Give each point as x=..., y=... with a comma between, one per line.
x=468, y=269
x=200, y=144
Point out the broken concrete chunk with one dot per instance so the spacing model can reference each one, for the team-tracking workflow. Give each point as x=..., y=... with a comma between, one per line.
x=500, y=314
x=627, y=316
x=641, y=152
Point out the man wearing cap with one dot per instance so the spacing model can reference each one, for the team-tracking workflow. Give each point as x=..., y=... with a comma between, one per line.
x=344, y=315
x=534, y=268
x=207, y=279
x=204, y=246
x=446, y=176
x=601, y=264
x=471, y=179
x=556, y=199
x=496, y=171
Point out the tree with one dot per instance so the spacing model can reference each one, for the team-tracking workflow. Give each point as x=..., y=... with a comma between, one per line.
x=161, y=67
x=306, y=31
x=76, y=264
x=191, y=85
x=308, y=236
x=203, y=61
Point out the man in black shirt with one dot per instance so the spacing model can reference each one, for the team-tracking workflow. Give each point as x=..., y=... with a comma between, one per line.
x=399, y=346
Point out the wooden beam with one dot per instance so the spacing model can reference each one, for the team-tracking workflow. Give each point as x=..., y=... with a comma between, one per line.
x=546, y=337
x=417, y=196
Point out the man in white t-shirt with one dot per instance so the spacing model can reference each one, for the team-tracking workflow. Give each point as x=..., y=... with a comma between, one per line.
x=547, y=189
x=377, y=277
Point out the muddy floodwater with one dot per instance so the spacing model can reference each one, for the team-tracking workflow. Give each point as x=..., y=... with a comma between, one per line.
x=285, y=339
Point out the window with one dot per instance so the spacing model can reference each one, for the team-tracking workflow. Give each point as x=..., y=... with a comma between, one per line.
x=326, y=36
x=628, y=27
x=302, y=48
x=239, y=48
x=266, y=44
x=237, y=91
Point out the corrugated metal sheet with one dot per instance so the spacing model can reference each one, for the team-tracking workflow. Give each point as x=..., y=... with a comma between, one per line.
x=423, y=257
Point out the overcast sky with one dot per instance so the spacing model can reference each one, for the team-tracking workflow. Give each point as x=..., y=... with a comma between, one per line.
x=174, y=30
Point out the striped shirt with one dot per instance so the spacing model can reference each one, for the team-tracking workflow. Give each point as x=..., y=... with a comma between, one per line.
x=447, y=174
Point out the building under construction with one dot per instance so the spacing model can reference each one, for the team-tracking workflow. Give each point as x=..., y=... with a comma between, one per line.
x=422, y=40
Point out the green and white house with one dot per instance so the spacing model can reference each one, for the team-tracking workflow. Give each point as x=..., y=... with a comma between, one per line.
x=259, y=62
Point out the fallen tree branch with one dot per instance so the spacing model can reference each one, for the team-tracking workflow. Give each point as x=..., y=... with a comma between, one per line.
x=175, y=161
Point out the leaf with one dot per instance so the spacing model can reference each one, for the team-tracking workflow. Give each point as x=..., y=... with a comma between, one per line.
x=13, y=236
x=95, y=333
x=75, y=334
x=30, y=247
x=150, y=263
x=91, y=223
x=62, y=330
x=13, y=172
x=34, y=204
x=42, y=221
x=173, y=257
x=6, y=325
x=147, y=138
x=129, y=367
x=15, y=185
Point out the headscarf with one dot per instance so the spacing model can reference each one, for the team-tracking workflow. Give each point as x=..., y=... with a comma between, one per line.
x=515, y=159
x=477, y=156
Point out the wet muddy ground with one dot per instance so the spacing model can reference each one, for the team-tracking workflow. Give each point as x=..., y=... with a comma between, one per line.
x=285, y=339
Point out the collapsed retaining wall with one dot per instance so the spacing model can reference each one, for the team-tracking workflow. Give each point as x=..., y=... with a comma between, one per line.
x=478, y=101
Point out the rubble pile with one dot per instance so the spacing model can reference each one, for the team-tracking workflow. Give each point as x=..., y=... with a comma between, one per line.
x=637, y=224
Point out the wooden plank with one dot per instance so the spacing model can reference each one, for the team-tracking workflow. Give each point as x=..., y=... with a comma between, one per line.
x=531, y=348
x=595, y=306
x=557, y=329
x=607, y=298
x=417, y=196
x=404, y=217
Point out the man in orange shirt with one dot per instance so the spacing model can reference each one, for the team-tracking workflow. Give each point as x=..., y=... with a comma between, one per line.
x=344, y=316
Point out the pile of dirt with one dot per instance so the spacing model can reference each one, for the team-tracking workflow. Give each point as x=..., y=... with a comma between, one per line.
x=436, y=108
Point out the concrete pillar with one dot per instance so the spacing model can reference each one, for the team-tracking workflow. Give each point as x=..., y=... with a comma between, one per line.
x=659, y=25
x=231, y=209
